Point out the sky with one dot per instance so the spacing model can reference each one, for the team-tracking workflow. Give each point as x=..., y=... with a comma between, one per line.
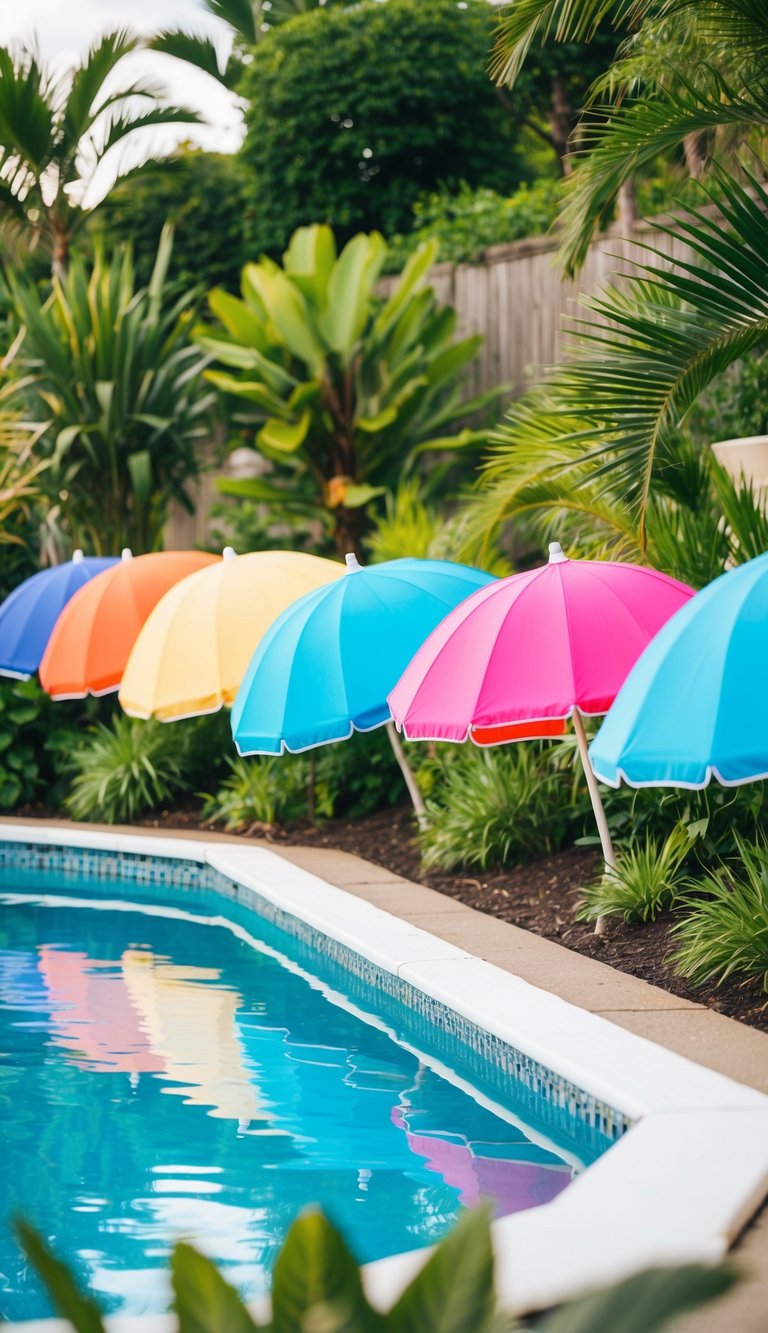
x=64, y=30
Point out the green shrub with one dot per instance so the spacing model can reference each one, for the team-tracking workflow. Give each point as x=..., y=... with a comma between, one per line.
x=317, y=1286
x=466, y=222
x=125, y=769
x=358, y=777
x=354, y=112
x=492, y=807
x=260, y=790
x=34, y=731
x=725, y=932
x=647, y=880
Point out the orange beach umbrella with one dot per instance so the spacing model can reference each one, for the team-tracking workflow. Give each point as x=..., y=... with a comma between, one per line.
x=93, y=637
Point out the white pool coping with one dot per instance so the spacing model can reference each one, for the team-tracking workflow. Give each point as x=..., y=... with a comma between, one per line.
x=677, y=1188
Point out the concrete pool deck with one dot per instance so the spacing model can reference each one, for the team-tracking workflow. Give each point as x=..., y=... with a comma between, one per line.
x=686, y=1028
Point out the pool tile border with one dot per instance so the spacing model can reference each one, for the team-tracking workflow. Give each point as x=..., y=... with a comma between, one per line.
x=642, y=1203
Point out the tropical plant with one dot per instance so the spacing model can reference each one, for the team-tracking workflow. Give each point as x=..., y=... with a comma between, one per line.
x=111, y=373
x=601, y=435
x=20, y=471
x=31, y=731
x=502, y=806
x=258, y=792
x=57, y=129
x=123, y=770
x=325, y=143
x=466, y=221
x=725, y=931
x=647, y=880
x=317, y=1285
x=348, y=389
x=250, y=21
x=201, y=195
x=689, y=69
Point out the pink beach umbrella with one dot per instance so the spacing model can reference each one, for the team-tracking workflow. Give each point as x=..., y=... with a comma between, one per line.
x=522, y=655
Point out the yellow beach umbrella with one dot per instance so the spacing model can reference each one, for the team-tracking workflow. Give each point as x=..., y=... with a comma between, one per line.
x=195, y=647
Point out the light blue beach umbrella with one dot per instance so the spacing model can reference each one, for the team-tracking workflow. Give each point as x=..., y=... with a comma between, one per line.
x=325, y=667
x=29, y=613
x=695, y=705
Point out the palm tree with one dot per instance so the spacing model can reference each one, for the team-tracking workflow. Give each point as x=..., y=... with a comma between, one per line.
x=690, y=71
x=250, y=21
x=56, y=130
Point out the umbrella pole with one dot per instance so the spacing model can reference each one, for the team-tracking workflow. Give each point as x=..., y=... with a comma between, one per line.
x=407, y=772
x=609, y=856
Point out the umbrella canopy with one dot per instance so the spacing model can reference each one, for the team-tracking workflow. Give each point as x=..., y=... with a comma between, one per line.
x=94, y=635
x=693, y=707
x=325, y=667
x=194, y=650
x=527, y=652
x=28, y=615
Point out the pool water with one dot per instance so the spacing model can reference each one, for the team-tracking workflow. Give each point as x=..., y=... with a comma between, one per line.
x=165, y=1073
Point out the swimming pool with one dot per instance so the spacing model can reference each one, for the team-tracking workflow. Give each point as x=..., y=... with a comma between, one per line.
x=449, y=1078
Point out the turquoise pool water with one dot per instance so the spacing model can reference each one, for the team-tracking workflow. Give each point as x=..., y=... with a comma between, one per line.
x=166, y=1073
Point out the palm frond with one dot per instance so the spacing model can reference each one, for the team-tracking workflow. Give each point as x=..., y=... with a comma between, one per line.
x=201, y=52
x=616, y=141
x=538, y=21
x=85, y=100
x=240, y=15
x=742, y=24
x=633, y=373
x=26, y=114
x=125, y=123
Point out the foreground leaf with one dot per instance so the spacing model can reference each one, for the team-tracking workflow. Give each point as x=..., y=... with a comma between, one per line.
x=204, y=1301
x=454, y=1292
x=66, y=1297
x=642, y=1304
x=317, y=1283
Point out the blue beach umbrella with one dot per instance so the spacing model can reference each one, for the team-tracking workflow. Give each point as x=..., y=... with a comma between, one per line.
x=29, y=613
x=695, y=705
x=326, y=665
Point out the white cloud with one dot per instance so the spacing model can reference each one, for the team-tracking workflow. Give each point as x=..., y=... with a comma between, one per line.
x=64, y=29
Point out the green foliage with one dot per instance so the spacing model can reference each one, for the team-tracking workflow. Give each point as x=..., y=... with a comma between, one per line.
x=725, y=933
x=354, y=778
x=124, y=770
x=317, y=1286
x=31, y=728
x=109, y=370
x=467, y=221
x=258, y=791
x=346, y=389
x=407, y=527
x=202, y=196
x=502, y=806
x=57, y=130
x=355, y=113
x=647, y=880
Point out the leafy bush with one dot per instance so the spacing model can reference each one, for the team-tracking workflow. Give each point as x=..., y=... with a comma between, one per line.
x=260, y=790
x=468, y=221
x=121, y=771
x=317, y=1286
x=647, y=880
x=110, y=368
x=408, y=526
x=357, y=777
x=492, y=807
x=33, y=732
x=354, y=112
x=725, y=933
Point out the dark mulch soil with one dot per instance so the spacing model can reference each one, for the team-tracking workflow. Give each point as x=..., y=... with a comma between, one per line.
x=540, y=897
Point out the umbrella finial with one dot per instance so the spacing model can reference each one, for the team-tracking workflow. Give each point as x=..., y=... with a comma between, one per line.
x=353, y=564
x=228, y=553
x=126, y=553
x=77, y=557
x=556, y=556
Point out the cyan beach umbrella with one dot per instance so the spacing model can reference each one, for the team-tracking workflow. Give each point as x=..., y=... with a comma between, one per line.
x=29, y=613
x=694, y=706
x=325, y=667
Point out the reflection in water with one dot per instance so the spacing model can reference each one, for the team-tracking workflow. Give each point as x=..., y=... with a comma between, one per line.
x=280, y=1099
